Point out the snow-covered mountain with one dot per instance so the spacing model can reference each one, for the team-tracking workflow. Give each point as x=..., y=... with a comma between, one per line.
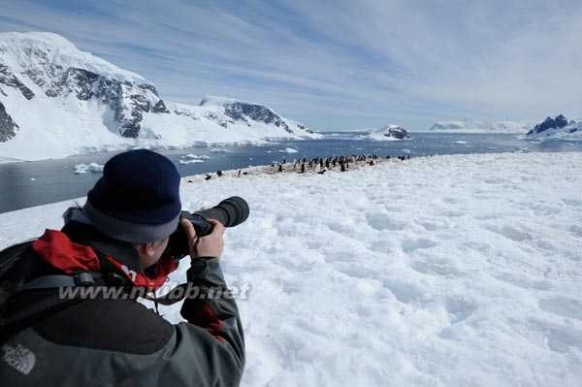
x=557, y=128
x=472, y=126
x=56, y=100
x=390, y=133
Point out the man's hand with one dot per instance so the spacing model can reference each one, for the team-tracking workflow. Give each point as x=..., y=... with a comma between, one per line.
x=210, y=245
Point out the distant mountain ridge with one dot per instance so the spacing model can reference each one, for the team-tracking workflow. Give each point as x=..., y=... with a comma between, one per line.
x=473, y=126
x=51, y=93
x=249, y=111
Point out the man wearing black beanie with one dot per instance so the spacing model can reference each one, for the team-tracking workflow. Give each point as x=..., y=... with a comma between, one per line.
x=111, y=246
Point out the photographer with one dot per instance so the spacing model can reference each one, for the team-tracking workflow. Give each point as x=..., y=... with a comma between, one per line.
x=114, y=244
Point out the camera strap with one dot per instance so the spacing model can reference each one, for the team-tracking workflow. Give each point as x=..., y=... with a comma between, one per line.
x=175, y=295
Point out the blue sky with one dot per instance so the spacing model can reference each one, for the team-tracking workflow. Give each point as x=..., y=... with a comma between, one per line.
x=338, y=64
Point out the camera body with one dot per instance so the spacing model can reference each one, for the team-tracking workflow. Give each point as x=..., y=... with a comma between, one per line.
x=230, y=212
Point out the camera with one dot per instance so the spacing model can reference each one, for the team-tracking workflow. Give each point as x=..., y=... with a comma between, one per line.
x=230, y=212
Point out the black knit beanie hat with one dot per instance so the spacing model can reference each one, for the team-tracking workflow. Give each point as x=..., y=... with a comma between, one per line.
x=137, y=200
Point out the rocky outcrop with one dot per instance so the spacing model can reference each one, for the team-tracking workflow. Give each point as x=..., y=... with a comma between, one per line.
x=558, y=128
x=7, y=125
x=245, y=112
x=549, y=123
x=7, y=78
x=389, y=133
x=396, y=131
x=127, y=99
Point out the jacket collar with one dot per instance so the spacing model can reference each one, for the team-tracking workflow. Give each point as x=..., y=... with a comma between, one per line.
x=79, y=247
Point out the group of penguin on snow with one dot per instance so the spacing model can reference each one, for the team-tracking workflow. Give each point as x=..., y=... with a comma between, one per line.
x=320, y=165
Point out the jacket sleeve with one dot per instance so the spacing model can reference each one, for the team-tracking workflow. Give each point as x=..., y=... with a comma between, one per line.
x=208, y=349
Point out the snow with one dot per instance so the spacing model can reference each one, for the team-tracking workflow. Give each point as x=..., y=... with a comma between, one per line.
x=457, y=270
x=57, y=127
x=219, y=101
x=70, y=126
x=17, y=49
x=571, y=132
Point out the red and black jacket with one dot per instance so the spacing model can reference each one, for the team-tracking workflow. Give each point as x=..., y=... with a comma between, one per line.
x=119, y=341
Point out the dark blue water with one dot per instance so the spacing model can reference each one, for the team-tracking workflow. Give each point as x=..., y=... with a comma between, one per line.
x=36, y=183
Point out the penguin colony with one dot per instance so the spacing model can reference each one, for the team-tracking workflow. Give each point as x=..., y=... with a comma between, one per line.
x=319, y=165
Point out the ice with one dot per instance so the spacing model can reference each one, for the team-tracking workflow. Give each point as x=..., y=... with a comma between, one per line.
x=440, y=271
x=91, y=167
x=193, y=159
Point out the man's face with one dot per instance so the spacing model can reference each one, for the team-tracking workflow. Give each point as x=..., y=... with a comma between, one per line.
x=150, y=253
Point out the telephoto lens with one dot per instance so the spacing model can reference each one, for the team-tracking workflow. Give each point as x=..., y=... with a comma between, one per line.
x=230, y=212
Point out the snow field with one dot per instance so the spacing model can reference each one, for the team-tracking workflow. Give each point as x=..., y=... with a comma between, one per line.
x=440, y=271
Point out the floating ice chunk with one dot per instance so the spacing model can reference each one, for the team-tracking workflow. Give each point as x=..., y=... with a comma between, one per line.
x=91, y=167
x=193, y=159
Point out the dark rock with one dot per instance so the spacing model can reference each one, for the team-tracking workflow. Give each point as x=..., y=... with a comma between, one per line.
x=152, y=88
x=7, y=125
x=160, y=107
x=549, y=123
x=9, y=79
x=396, y=132
x=140, y=102
x=128, y=100
x=130, y=124
x=241, y=111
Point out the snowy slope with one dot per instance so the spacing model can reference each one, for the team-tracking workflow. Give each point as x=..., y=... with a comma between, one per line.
x=445, y=271
x=56, y=101
x=571, y=132
x=472, y=126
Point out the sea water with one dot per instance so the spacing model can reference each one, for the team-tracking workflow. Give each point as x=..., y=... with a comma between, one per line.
x=27, y=184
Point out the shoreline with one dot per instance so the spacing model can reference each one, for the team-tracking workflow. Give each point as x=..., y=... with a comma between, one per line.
x=295, y=167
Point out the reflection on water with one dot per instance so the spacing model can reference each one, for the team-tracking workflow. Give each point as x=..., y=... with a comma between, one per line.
x=35, y=183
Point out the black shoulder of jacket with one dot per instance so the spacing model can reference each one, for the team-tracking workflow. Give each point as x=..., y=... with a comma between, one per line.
x=112, y=325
